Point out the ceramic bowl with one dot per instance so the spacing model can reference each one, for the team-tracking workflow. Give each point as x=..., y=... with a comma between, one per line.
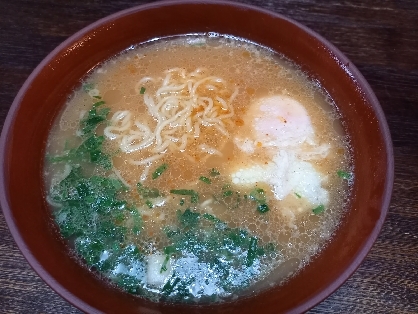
x=44, y=93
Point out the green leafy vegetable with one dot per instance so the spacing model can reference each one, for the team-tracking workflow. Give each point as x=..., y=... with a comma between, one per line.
x=183, y=192
x=169, y=250
x=164, y=265
x=344, y=175
x=168, y=288
x=90, y=150
x=149, y=204
x=93, y=118
x=213, y=172
x=252, y=251
x=227, y=193
x=88, y=87
x=146, y=192
x=219, y=224
x=142, y=90
x=159, y=171
x=194, y=196
x=319, y=209
x=230, y=253
x=259, y=196
x=99, y=103
x=188, y=218
x=205, y=180
x=211, y=217
x=263, y=208
x=91, y=212
x=92, y=146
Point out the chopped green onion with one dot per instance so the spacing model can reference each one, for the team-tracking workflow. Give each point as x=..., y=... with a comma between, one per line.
x=99, y=103
x=205, y=179
x=298, y=195
x=93, y=118
x=219, y=224
x=89, y=151
x=182, y=202
x=252, y=250
x=168, y=250
x=211, y=217
x=88, y=87
x=344, y=175
x=194, y=196
x=258, y=195
x=164, y=265
x=188, y=218
x=149, y=204
x=147, y=192
x=159, y=171
x=183, y=192
x=142, y=90
x=227, y=193
x=319, y=209
x=263, y=208
x=169, y=286
x=213, y=172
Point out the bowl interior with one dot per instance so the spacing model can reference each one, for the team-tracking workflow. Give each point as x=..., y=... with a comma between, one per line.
x=41, y=98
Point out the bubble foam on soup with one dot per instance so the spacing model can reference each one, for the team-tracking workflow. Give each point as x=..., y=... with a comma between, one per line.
x=198, y=169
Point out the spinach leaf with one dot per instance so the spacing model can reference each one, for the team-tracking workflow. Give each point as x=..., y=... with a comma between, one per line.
x=194, y=196
x=319, y=209
x=90, y=150
x=259, y=196
x=159, y=171
x=205, y=180
x=93, y=118
x=91, y=212
x=344, y=174
x=227, y=251
x=146, y=192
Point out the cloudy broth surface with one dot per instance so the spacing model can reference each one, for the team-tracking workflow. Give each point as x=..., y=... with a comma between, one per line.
x=198, y=169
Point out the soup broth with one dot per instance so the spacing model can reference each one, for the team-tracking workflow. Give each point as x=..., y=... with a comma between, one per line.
x=198, y=169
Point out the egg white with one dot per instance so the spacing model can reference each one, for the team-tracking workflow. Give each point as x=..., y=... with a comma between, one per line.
x=282, y=128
